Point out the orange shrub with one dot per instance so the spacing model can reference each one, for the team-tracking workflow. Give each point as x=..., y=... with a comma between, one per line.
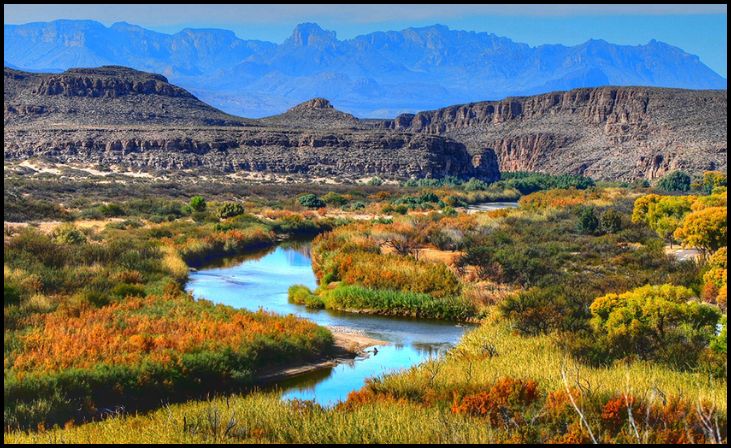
x=158, y=329
x=504, y=400
x=557, y=198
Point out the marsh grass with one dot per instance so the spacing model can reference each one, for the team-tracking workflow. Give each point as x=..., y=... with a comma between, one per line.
x=413, y=406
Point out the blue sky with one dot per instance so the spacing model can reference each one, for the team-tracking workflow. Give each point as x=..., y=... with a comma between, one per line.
x=698, y=29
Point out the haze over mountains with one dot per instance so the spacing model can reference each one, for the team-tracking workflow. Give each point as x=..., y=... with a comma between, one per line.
x=380, y=74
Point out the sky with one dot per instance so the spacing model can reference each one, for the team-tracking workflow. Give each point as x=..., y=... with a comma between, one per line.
x=698, y=29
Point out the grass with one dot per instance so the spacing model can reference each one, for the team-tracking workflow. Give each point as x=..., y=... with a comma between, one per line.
x=493, y=351
x=262, y=418
x=353, y=298
x=407, y=408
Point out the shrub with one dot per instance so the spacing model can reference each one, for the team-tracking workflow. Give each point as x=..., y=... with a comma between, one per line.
x=663, y=214
x=713, y=179
x=197, y=203
x=334, y=199
x=310, y=200
x=301, y=295
x=611, y=221
x=111, y=210
x=230, y=209
x=541, y=310
x=502, y=404
x=655, y=322
x=588, y=223
x=475, y=185
x=675, y=181
x=68, y=234
x=397, y=303
x=375, y=181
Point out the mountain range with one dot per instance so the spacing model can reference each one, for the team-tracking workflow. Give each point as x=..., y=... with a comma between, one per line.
x=375, y=75
x=121, y=118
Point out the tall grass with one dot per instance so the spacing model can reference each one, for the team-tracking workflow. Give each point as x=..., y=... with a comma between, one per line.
x=397, y=303
x=493, y=351
x=419, y=405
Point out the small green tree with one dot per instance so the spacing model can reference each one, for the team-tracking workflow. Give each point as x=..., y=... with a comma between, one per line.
x=376, y=181
x=675, y=181
x=230, y=209
x=309, y=200
x=197, y=203
x=611, y=221
x=588, y=222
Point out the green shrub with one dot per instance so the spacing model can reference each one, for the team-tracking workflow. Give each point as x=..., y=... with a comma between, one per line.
x=610, y=221
x=660, y=322
x=299, y=294
x=588, y=223
x=675, y=181
x=68, y=234
x=230, y=209
x=310, y=200
x=111, y=210
x=541, y=310
x=334, y=199
x=197, y=203
x=475, y=185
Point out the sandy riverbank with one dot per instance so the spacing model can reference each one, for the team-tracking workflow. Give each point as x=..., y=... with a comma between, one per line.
x=349, y=344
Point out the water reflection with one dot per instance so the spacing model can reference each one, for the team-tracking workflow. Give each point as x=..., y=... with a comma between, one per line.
x=489, y=206
x=261, y=280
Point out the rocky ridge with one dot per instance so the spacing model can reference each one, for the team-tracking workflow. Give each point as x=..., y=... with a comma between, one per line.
x=119, y=116
x=116, y=116
x=615, y=133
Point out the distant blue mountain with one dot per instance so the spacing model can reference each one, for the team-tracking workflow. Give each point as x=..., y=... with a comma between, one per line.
x=375, y=75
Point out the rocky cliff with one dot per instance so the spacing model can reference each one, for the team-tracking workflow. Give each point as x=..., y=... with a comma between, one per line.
x=115, y=116
x=617, y=133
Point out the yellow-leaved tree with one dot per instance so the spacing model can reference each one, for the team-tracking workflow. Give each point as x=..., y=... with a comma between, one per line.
x=705, y=229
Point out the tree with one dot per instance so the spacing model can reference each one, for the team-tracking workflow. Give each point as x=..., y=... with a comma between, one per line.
x=230, y=209
x=675, y=181
x=309, y=200
x=713, y=179
x=660, y=322
x=588, y=222
x=705, y=229
x=197, y=203
x=663, y=214
x=611, y=221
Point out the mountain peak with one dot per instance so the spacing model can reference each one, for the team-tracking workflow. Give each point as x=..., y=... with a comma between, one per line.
x=311, y=34
x=314, y=103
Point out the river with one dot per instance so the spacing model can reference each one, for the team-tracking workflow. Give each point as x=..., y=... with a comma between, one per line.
x=261, y=280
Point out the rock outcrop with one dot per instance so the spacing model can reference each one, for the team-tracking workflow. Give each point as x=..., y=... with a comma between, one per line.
x=115, y=116
x=616, y=133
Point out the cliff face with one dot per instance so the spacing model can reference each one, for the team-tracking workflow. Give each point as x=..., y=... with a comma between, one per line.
x=119, y=116
x=115, y=116
x=607, y=133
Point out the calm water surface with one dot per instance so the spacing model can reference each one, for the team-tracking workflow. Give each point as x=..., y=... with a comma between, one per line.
x=488, y=206
x=261, y=280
